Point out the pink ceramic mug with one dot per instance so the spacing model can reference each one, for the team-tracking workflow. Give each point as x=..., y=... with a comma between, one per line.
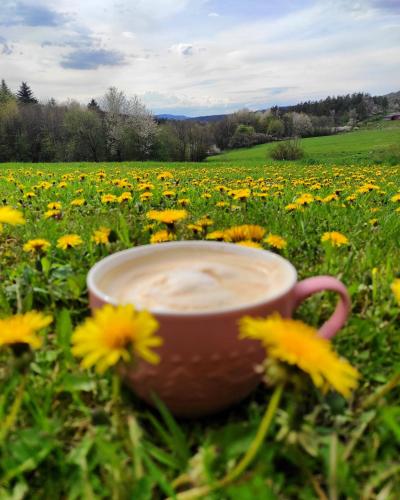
x=204, y=366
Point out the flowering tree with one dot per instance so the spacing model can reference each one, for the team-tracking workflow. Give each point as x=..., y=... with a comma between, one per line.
x=130, y=125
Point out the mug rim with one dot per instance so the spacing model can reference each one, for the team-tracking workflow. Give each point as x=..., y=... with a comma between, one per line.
x=114, y=259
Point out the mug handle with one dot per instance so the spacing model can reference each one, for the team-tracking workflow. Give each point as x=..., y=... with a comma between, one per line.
x=309, y=286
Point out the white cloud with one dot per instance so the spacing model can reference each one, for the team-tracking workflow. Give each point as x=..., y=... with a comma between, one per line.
x=176, y=58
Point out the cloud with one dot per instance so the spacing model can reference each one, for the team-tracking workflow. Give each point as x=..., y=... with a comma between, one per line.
x=92, y=59
x=4, y=47
x=179, y=57
x=213, y=14
x=19, y=13
x=390, y=5
x=184, y=49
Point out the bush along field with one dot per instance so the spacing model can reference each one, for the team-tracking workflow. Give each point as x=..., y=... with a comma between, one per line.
x=326, y=422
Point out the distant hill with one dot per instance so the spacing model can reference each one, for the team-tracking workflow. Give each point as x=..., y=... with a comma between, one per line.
x=393, y=99
x=166, y=116
x=207, y=118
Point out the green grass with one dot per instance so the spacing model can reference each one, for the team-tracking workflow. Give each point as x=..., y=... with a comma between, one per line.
x=356, y=147
x=71, y=440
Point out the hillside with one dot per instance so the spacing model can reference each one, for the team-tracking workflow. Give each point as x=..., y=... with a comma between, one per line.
x=358, y=146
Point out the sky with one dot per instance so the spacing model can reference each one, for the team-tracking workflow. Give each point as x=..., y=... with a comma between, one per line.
x=201, y=57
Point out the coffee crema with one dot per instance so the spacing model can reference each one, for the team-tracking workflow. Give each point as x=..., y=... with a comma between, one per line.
x=195, y=280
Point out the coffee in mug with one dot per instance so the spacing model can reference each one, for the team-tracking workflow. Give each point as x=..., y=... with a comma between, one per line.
x=195, y=280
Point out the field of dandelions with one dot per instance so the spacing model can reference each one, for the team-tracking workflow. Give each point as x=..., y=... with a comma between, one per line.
x=67, y=430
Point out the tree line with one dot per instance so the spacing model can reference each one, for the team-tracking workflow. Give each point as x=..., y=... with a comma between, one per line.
x=117, y=127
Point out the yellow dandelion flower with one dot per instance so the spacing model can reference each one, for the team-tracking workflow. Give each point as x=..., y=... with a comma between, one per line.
x=69, y=241
x=145, y=186
x=395, y=198
x=184, y=202
x=296, y=343
x=114, y=334
x=161, y=237
x=216, y=235
x=29, y=195
x=52, y=214
x=249, y=243
x=245, y=232
x=54, y=205
x=37, y=245
x=195, y=228
x=395, y=287
x=23, y=328
x=240, y=194
x=292, y=207
x=109, y=198
x=204, y=222
x=335, y=238
x=169, y=194
x=167, y=216
x=101, y=235
x=78, y=202
x=305, y=199
x=164, y=175
x=11, y=216
x=126, y=196
x=146, y=196
x=330, y=197
x=276, y=241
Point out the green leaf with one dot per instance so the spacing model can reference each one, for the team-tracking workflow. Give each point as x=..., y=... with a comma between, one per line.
x=158, y=476
x=46, y=266
x=123, y=230
x=174, y=435
x=77, y=383
x=64, y=332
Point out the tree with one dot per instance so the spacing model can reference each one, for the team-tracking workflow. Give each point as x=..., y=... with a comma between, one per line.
x=302, y=125
x=276, y=128
x=9, y=124
x=5, y=93
x=25, y=94
x=85, y=134
x=130, y=127
x=93, y=106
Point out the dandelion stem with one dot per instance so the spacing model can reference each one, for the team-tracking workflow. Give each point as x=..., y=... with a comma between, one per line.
x=248, y=457
x=116, y=401
x=258, y=440
x=12, y=416
x=116, y=389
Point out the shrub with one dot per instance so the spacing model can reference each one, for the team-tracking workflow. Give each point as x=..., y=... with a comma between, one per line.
x=287, y=150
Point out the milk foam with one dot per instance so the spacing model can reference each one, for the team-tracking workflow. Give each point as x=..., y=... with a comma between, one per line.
x=187, y=280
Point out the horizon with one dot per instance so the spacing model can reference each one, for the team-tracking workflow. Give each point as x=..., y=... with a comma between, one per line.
x=201, y=57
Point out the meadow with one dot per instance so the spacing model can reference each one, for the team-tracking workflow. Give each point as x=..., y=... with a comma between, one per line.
x=359, y=147
x=67, y=432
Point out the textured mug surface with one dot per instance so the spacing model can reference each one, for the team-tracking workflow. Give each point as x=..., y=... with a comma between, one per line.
x=204, y=366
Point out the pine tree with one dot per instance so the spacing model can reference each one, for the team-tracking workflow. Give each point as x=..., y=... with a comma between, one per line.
x=5, y=92
x=25, y=94
x=93, y=106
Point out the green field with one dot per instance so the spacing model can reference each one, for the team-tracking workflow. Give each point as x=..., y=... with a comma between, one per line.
x=358, y=147
x=68, y=432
